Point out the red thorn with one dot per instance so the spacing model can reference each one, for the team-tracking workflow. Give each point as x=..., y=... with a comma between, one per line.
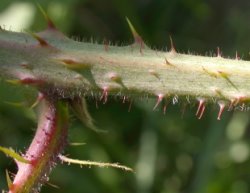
x=30, y=80
x=201, y=108
x=172, y=50
x=218, y=52
x=222, y=107
x=202, y=111
x=159, y=99
x=104, y=96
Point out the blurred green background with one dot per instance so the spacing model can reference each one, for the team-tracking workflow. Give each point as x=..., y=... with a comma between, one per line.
x=172, y=153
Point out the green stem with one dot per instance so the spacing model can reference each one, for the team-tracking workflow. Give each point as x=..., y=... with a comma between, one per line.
x=66, y=68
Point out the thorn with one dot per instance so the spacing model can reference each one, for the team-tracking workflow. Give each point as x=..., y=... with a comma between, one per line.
x=235, y=101
x=79, y=107
x=237, y=57
x=73, y=64
x=39, y=98
x=137, y=38
x=104, y=96
x=50, y=24
x=53, y=185
x=124, y=99
x=175, y=99
x=201, y=108
x=217, y=91
x=154, y=73
x=116, y=78
x=11, y=153
x=221, y=109
x=39, y=39
x=159, y=99
x=218, y=52
x=13, y=81
x=15, y=104
x=26, y=80
x=30, y=80
x=42, y=42
x=8, y=179
x=168, y=63
x=172, y=50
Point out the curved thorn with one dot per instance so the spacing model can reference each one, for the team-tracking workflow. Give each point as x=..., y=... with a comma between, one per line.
x=202, y=111
x=159, y=99
x=137, y=38
x=134, y=32
x=172, y=50
x=201, y=103
x=104, y=96
x=221, y=109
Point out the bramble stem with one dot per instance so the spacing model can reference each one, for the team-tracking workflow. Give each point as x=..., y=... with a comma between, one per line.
x=67, y=69
x=48, y=142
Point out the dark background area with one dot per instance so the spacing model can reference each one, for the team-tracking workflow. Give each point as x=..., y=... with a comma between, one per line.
x=172, y=153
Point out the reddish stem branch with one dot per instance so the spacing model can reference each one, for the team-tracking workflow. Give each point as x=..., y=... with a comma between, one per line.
x=43, y=152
